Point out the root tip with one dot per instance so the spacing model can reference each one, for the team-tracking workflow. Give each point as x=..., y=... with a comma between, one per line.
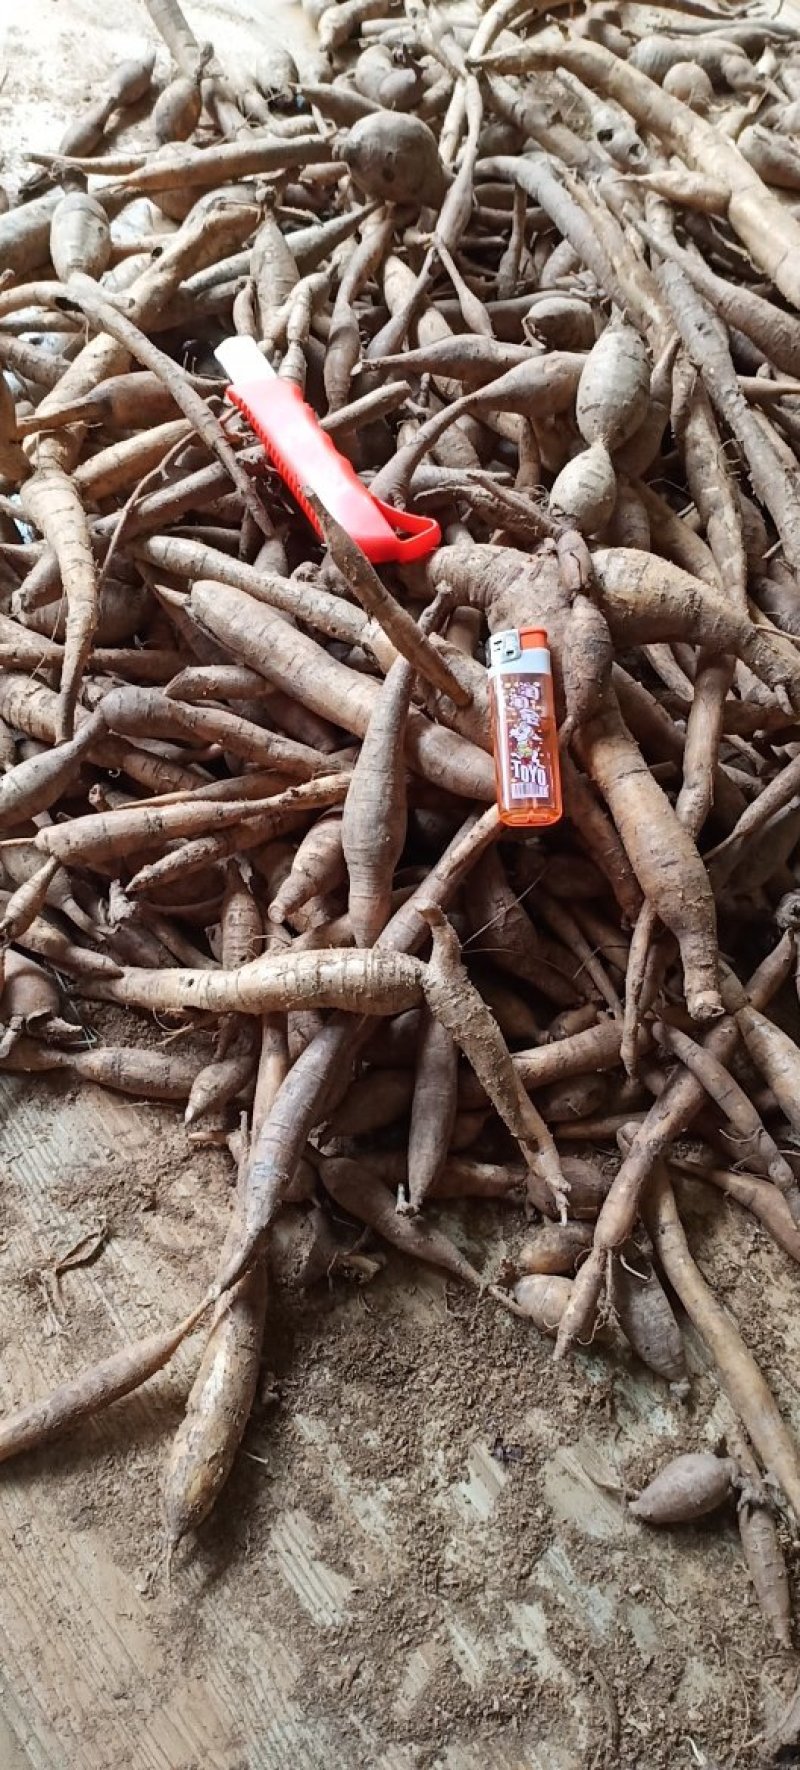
x=170, y=1545
x=704, y=1005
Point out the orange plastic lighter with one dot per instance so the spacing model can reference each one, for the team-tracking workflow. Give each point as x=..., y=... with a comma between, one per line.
x=525, y=737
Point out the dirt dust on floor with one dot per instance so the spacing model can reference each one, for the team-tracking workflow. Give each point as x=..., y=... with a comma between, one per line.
x=423, y=1558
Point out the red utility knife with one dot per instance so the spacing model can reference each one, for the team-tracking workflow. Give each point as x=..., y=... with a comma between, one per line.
x=305, y=455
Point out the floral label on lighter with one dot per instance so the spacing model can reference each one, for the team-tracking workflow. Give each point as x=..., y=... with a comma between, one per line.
x=529, y=776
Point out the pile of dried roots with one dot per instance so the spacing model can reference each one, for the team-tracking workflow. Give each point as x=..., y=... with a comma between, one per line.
x=542, y=279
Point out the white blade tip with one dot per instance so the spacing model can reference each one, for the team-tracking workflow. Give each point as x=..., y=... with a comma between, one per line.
x=242, y=360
